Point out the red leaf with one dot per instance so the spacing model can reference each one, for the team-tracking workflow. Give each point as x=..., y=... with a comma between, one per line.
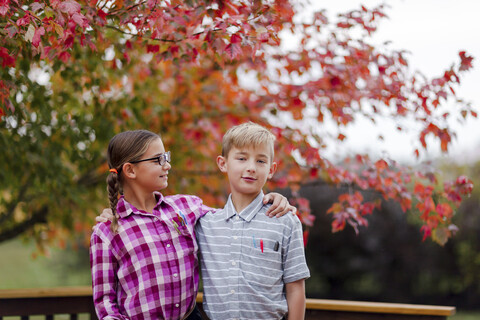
x=466, y=61
x=427, y=232
x=335, y=81
x=23, y=21
x=69, y=6
x=4, y=6
x=444, y=210
x=37, y=37
x=235, y=38
x=153, y=48
x=233, y=50
x=37, y=6
x=7, y=59
x=64, y=56
x=305, y=237
x=102, y=14
x=381, y=165
x=80, y=19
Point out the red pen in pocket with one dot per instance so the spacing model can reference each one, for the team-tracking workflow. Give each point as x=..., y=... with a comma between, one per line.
x=261, y=245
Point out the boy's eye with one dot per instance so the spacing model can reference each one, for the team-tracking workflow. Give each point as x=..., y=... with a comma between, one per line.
x=262, y=161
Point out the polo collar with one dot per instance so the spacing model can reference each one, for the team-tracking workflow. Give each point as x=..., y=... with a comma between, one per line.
x=249, y=212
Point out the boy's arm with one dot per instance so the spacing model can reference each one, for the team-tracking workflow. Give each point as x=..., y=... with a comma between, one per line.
x=105, y=215
x=295, y=293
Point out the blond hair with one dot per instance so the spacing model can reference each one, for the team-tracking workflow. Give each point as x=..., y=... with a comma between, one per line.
x=248, y=134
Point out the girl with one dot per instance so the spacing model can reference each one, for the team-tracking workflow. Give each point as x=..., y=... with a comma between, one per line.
x=144, y=262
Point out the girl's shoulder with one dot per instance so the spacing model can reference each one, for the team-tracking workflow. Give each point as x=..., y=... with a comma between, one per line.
x=103, y=231
x=183, y=199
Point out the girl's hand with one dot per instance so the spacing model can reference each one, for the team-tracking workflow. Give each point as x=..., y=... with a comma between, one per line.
x=280, y=205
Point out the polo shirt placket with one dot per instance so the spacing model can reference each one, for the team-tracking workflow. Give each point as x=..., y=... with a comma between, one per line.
x=236, y=242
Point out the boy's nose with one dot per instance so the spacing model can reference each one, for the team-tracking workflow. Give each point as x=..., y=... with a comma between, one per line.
x=251, y=166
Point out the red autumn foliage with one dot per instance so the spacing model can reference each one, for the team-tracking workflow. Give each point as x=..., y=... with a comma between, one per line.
x=198, y=49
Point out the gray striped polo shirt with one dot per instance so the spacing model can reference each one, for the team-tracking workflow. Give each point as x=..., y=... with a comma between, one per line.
x=246, y=259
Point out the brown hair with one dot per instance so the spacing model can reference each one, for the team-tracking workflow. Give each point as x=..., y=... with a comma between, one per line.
x=247, y=134
x=124, y=147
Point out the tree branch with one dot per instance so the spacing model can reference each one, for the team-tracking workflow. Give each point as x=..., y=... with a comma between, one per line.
x=39, y=216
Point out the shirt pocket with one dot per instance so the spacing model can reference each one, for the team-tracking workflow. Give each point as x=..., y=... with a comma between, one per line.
x=262, y=268
x=186, y=236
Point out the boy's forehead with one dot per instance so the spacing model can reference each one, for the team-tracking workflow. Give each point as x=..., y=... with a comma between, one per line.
x=262, y=149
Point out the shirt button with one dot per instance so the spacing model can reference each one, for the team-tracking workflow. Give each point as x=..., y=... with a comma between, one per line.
x=235, y=237
x=233, y=263
x=237, y=218
x=175, y=275
x=168, y=245
x=177, y=305
x=232, y=291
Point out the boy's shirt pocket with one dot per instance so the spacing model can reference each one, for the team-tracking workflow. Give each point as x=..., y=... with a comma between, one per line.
x=262, y=261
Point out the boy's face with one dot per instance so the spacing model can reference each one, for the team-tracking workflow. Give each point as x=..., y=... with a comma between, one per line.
x=248, y=169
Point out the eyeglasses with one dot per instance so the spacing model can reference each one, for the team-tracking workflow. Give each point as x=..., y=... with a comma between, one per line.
x=161, y=158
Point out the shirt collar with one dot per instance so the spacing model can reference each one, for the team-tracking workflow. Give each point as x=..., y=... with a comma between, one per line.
x=246, y=214
x=124, y=208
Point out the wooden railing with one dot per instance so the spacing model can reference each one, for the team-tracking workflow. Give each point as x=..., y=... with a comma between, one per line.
x=77, y=302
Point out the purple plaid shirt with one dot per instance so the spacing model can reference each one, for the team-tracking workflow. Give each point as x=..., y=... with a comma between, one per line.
x=149, y=269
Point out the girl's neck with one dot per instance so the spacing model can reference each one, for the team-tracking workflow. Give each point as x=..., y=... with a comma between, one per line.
x=141, y=201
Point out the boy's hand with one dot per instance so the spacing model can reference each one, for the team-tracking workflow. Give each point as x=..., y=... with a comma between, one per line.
x=280, y=205
x=105, y=216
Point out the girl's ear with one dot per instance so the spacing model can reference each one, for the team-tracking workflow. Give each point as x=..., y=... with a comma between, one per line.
x=222, y=163
x=128, y=170
x=273, y=168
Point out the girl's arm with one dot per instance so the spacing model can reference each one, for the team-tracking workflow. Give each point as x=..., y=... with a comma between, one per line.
x=104, y=268
x=295, y=292
x=280, y=205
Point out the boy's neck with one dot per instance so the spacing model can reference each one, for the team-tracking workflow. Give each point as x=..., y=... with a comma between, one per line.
x=241, y=201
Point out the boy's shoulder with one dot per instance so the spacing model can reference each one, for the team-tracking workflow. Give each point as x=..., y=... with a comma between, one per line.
x=288, y=219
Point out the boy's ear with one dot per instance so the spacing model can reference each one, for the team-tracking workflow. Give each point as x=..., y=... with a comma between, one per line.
x=222, y=163
x=128, y=170
x=273, y=168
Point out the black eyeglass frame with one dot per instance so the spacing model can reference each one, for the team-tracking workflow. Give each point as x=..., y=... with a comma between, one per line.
x=161, y=158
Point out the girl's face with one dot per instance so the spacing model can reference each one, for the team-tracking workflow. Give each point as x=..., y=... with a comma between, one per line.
x=150, y=175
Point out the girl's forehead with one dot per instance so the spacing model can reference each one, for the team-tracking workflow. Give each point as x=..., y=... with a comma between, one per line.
x=156, y=146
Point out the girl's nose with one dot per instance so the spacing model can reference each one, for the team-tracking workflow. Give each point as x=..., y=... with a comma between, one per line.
x=167, y=166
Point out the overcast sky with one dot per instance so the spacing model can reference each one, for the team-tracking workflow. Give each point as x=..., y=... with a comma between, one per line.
x=433, y=31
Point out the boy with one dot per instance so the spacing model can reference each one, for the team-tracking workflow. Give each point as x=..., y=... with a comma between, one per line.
x=253, y=267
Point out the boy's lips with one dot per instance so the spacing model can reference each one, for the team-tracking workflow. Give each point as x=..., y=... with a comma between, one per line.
x=249, y=178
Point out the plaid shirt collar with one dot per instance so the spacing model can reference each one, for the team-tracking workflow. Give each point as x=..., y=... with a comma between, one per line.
x=125, y=208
